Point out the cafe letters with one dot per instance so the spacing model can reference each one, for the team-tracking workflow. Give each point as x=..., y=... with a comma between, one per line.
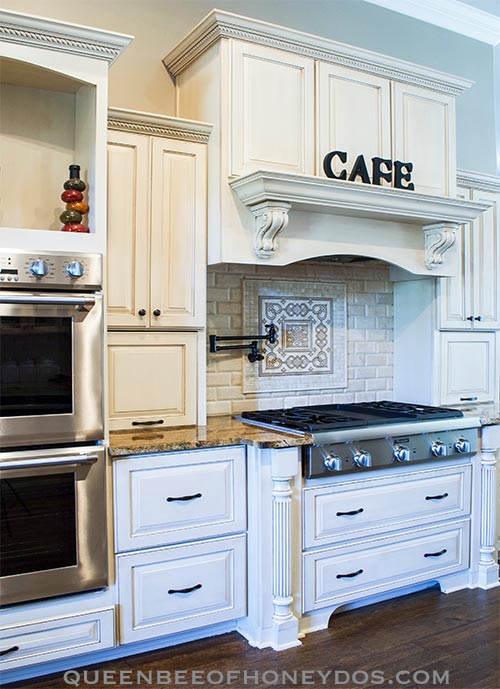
x=396, y=173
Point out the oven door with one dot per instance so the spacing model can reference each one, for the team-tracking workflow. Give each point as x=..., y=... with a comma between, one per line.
x=52, y=523
x=50, y=368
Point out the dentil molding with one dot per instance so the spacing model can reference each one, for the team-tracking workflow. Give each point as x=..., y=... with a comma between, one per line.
x=38, y=32
x=158, y=125
x=477, y=180
x=219, y=24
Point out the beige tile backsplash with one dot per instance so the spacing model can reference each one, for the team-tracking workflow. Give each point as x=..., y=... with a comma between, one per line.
x=369, y=334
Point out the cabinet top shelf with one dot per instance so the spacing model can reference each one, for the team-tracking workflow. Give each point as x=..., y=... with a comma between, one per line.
x=18, y=73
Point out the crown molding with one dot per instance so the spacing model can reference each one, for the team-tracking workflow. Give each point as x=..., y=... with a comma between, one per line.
x=50, y=34
x=219, y=24
x=158, y=125
x=478, y=180
x=449, y=14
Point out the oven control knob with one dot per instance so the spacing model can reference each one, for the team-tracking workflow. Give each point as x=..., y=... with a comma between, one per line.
x=463, y=445
x=75, y=270
x=362, y=459
x=438, y=449
x=401, y=454
x=332, y=463
x=39, y=268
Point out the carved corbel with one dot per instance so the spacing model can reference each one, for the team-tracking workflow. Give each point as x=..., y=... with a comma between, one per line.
x=270, y=220
x=439, y=238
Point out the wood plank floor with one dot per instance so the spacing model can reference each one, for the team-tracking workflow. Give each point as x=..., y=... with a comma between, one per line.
x=425, y=633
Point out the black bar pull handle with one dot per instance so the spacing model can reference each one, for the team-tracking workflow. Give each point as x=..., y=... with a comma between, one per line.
x=148, y=423
x=436, y=497
x=12, y=649
x=438, y=554
x=350, y=575
x=468, y=399
x=188, y=590
x=184, y=498
x=341, y=514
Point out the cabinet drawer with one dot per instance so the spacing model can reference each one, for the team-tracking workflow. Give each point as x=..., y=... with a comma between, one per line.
x=174, y=589
x=468, y=369
x=342, y=574
x=180, y=496
x=356, y=509
x=56, y=638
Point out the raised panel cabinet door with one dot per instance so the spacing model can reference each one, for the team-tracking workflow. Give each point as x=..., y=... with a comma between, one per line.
x=272, y=110
x=468, y=367
x=152, y=379
x=354, y=115
x=424, y=134
x=486, y=263
x=178, y=233
x=128, y=229
x=455, y=293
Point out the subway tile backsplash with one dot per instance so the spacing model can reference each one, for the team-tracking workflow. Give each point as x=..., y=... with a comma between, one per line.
x=369, y=296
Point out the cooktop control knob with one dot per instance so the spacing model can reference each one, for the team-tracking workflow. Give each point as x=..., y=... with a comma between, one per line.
x=39, y=268
x=401, y=454
x=332, y=463
x=75, y=270
x=362, y=459
x=438, y=449
x=463, y=445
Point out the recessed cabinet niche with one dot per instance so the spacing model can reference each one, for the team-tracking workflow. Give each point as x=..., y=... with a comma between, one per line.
x=156, y=222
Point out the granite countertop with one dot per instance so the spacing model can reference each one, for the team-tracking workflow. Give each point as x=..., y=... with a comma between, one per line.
x=220, y=431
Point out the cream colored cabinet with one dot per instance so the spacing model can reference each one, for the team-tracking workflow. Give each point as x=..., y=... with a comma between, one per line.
x=471, y=300
x=424, y=134
x=354, y=115
x=156, y=223
x=272, y=110
x=152, y=379
x=469, y=368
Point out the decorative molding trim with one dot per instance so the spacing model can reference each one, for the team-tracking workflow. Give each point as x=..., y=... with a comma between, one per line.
x=158, y=125
x=488, y=567
x=219, y=24
x=478, y=180
x=38, y=32
x=449, y=14
x=438, y=239
x=270, y=220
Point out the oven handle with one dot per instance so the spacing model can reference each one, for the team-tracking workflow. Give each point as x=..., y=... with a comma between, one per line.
x=46, y=462
x=86, y=301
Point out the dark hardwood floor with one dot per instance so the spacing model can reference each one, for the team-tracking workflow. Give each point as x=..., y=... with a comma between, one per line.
x=423, y=636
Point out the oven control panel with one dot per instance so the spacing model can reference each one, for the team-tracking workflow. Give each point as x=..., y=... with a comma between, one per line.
x=326, y=459
x=50, y=271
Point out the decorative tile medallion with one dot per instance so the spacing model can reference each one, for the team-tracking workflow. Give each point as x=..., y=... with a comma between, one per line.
x=311, y=321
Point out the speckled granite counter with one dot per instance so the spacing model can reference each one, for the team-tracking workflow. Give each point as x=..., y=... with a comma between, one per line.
x=220, y=431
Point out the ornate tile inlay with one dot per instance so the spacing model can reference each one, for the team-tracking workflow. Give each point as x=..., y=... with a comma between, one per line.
x=311, y=321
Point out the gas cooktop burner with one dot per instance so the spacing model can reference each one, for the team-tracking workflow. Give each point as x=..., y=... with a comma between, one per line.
x=345, y=416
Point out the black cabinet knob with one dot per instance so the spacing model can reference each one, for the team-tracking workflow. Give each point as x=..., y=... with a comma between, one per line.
x=478, y=318
x=157, y=312
x=142, y=312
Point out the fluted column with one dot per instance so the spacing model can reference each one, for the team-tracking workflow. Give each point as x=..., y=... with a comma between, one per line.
x=488, y=567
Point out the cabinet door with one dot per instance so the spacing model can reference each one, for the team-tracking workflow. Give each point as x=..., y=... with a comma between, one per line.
x=424, y=134
x=468, y=366
x=272, y=110
x=486, y=263
x=152, y=379
x=128, y=229
x=178, y=230
x=354, y=115
x=455, y=293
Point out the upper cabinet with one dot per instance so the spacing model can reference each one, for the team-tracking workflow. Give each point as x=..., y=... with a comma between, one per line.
x=53, y=111
x=471, y=300
x=157, y=168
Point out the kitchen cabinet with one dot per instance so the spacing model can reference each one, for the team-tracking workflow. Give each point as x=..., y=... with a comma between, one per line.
x=152, y=379
x=471, y=300
x=469, y=368
x=53, y=94
x=156, y=222
x=192, y=505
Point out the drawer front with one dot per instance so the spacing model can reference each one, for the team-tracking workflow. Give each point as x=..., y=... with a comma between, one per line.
x=170, y=498
x=356, y=509
x=168, y=590
x=56, y=638
x=343, y=574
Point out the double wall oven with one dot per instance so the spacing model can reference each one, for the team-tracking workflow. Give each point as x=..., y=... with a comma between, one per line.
x=52, y=467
